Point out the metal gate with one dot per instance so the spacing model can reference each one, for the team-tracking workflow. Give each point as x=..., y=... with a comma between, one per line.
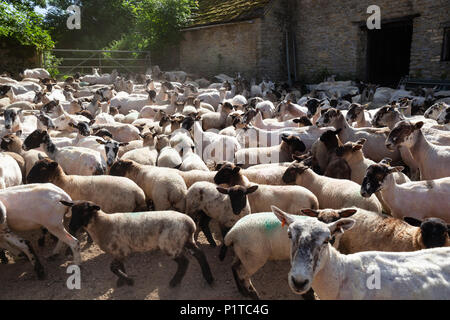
x=69, y=61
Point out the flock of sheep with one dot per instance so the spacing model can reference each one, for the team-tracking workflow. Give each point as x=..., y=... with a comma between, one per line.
x=347, y=181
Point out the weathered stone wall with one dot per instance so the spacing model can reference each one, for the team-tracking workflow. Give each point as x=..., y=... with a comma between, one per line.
x=328, y=36
x=272, y=45
x=14, y=58
x=225, y=49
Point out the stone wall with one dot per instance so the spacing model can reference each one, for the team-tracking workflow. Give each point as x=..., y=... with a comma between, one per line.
x=228, y=49
x=329, y=36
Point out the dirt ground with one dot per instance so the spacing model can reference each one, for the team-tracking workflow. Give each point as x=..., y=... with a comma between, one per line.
x=151, y=271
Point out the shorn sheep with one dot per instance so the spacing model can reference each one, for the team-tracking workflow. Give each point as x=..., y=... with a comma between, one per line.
x=260, y=237
x=124, y=233
x=417, y=199
x=315, y=263
x=12, y=242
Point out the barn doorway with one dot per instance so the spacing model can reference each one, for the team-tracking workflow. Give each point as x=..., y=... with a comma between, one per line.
x=388, y=52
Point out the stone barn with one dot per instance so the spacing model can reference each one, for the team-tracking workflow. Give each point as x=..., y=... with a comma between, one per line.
x=312, y=38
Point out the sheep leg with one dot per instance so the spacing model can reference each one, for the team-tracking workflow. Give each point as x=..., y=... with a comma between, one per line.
x=41, y=241
x=67, y=238
x=3, y=257
x=118, y=269
x=201, y=258
x=204, y=225
x=224, y=248
x=245, y=286
x=183, y=264
x=25, y=247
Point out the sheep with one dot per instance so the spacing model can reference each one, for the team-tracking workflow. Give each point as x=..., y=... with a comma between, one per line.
x=10, y=241
x=217, y=120
x=259, y=122
x=266, y=108
x=211, y=146
x=388, y=116
x=417, y=275
x=37, y=73
x=10, y=173
x=33, y=206
x=192, y=161
x=281, y=153
x=12, y=143
x=418, y=199
x=168, y=157
x=164, y=187
x=331, y=193
x=74, y=160
x=431, y=159
x=114, y=194
x=290, y=198
x=286, y=110
x=357, y=114
x=132, y=102
x=373, y=232
x=205, y=202
x=121, y=132
x=124, y=233
x=260, y=237
x=374, y=148
x=444, y=117
x=435, y=110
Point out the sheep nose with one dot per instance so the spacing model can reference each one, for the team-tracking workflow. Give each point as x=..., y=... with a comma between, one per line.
x=299, y=285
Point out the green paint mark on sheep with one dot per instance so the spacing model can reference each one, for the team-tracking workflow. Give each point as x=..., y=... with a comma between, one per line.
x=271, y=225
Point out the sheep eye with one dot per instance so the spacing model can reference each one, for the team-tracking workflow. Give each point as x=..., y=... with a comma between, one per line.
x=289, y=235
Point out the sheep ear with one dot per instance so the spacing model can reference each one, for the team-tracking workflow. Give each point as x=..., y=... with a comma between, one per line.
x=236, y=169
x=347, y=213
x=310, y=213
x=40, y=157
x=418, y=125
x=413, y=221
x=282, y=216
x=252, y=189
x=222, y=190
x=19, y=133
x=100, y=141
x=67, y=204
x=341, y=226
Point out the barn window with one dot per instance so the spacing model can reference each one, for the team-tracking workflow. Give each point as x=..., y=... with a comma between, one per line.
x=446, y=45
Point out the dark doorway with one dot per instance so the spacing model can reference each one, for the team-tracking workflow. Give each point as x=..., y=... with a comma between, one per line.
x=388, y=52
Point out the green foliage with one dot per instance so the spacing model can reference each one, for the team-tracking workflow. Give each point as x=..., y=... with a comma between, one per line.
x=156, y=23
x=102, y=21
x=19, y=21
x=51, y=63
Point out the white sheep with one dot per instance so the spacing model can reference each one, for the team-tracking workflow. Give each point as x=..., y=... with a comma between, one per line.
x=418, y=199
x=166, y=188
x=74, y=160
x=10, y=172
x=34, y=206
x=431, y=159
x=260, y=237
x=332, y=193
x=115, y=194
x=418, y=275
x=12, y=242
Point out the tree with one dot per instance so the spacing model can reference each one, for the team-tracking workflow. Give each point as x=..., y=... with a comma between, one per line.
x=156, y=24
x=102, y=21
x=20, y=22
